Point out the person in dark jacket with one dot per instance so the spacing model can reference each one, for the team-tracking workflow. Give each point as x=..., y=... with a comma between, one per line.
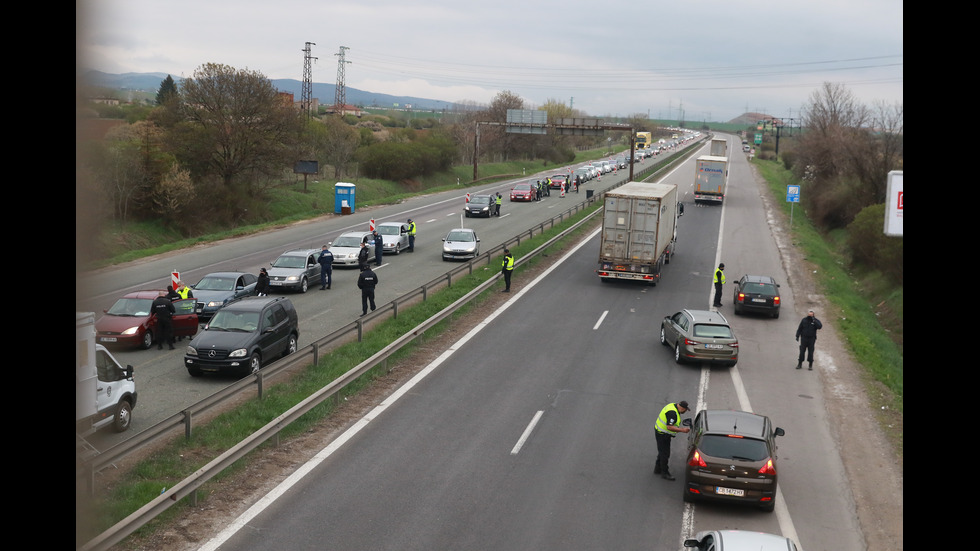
x=164, y=309
x=362, y=256
x=366, y=282
x=326, y=267
x=379, y=247
x=806, y=335
x=262, y=285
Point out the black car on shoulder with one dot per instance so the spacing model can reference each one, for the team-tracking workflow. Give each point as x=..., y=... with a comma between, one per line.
x=243, y=336
x=757, y=294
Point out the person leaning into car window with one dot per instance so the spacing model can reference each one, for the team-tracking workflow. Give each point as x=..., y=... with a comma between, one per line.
x=668, y=423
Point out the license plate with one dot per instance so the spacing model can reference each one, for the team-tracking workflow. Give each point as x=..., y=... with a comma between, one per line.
x=758, y=300
x=714, y=346
x=729, y=491
x=107, y=339
x=277, y=282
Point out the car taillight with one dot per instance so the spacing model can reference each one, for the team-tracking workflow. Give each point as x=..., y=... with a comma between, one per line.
x=768, y=468
x=696, y=460
x=734, y=344
x=775, y=301
x=741, y=297
x=689, y=342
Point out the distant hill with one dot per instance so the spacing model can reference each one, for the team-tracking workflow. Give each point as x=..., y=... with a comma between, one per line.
x=150, y=83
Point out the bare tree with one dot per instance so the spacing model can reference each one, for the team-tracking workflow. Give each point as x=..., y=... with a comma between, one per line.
x=846, y=152
x=173, y=193
x=239, y=129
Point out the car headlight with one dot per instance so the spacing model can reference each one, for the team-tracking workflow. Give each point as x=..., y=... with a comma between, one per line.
x=352, y=255
x=191, y=351
x=214, y=304
x=131, y=331
x=240, y=353
x=292, y=278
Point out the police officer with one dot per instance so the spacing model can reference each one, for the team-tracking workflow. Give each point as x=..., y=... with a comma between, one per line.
x=498, y=201
x=362, y=255
x=379, y=247
x=326, y=267
x=411, y=236
x=164, y=309
x=184, y=291
x=719, y=281
x=506, y=268
x=366, y=282
x=668, y=425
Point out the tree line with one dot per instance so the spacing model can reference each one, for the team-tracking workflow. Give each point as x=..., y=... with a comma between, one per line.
x=212, y=149
x=842, y=159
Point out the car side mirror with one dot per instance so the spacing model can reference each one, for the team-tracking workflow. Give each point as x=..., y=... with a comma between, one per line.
x=687, y=423
x=779, y=432
x=128, y=372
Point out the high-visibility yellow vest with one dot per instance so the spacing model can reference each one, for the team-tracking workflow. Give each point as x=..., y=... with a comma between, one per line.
x=662, y=420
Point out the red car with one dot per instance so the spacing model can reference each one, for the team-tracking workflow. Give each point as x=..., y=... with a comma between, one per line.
x=522, y=192
x=131, y=323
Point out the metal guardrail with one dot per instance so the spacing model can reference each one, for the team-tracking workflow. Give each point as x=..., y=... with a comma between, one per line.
x=302, y=357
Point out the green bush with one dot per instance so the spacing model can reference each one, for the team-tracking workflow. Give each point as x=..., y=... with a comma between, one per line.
x=873, y=250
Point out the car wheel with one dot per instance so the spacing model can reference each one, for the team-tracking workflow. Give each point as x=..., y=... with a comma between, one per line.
x=775, y=314
x=291, y=347
x=124, y=416
x=147, y=340
x=677, y=353
x=254, y=364
x=304, y=285
x=663, y=336
x=769, y=507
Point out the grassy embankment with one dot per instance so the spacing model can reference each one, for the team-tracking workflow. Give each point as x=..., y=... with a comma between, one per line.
x=290, y=203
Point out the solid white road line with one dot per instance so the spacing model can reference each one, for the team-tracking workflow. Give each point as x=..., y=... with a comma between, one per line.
x=527, y=433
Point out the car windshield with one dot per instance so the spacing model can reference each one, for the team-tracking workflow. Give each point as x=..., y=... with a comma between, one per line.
x=732, y=447
x=460, y=236
x=216, y=284
x=228, y=320
x=480, y=200
x=348, y=241
x=131, y=307
x=389, y=230
x=760, y=288
x=286, y=261
x=706, y=330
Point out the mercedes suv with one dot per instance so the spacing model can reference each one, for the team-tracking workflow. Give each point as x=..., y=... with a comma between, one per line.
x=243, y=336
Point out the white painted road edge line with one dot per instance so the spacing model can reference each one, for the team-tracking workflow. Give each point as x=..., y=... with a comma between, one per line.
x=335, y=445
x=527, y=433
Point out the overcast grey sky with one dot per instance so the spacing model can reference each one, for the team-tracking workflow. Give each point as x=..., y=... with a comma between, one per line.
x=713, y=59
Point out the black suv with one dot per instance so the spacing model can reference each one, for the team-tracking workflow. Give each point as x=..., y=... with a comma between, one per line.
x=757, y=294
x=731, y=456
x=243, y=336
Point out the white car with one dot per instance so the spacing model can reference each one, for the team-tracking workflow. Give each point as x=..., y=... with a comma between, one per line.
x=460, y=244
x=346, y=248
x=394, y=235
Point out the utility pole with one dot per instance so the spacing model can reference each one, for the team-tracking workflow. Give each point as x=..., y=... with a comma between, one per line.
x=306, y=96
x=340, y=98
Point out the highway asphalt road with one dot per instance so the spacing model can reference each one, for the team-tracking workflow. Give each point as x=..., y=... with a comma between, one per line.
x=537, y=432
